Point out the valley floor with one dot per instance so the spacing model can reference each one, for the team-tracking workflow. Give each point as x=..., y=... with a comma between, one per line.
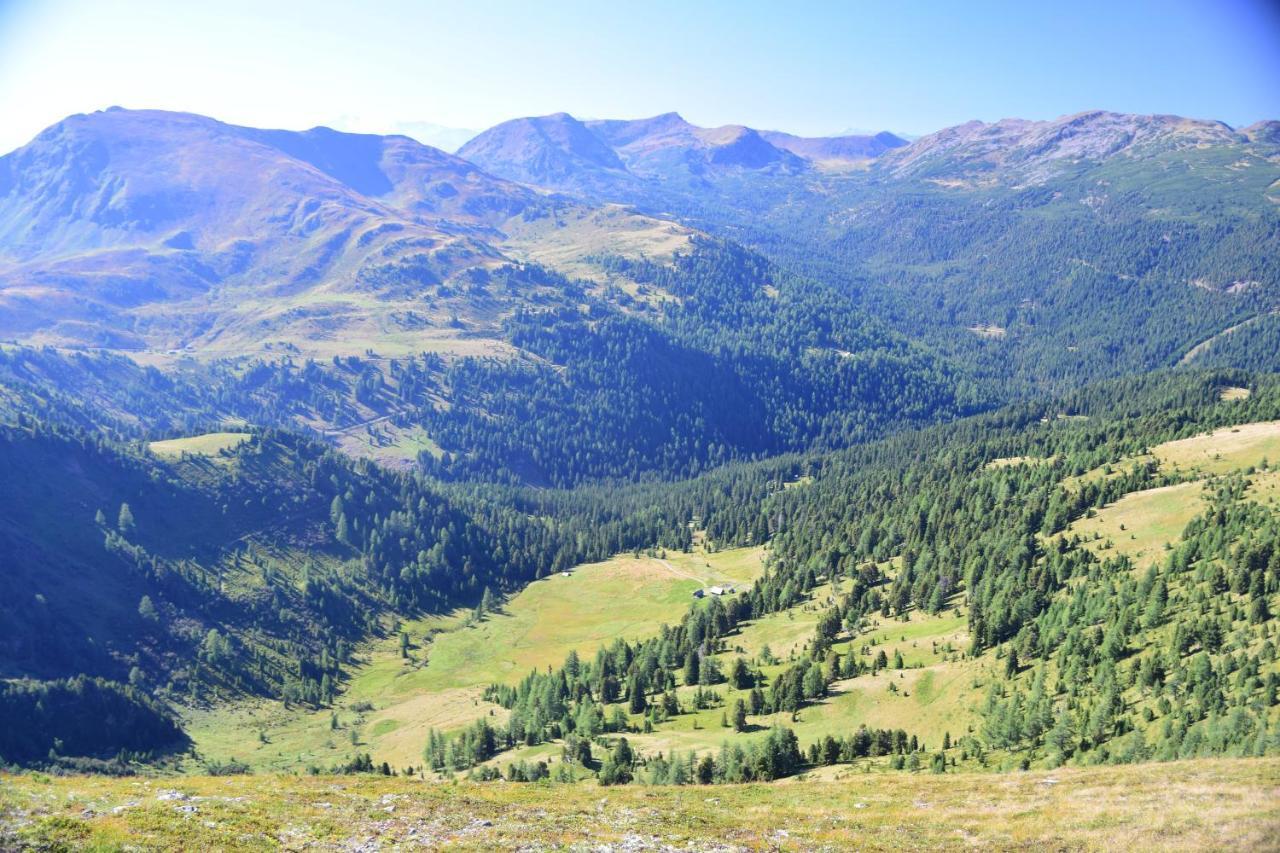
x=1224, y=804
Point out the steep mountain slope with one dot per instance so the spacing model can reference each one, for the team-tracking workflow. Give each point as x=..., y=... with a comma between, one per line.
x=1092, y=245
x=229, y=565
x=545, y=151
x=735, y=362
x=1082, y=580
x=1086, y=580
x=406, y=304
x=667, y=147
x=203, y=568
x=109, y=219
x=156, y=231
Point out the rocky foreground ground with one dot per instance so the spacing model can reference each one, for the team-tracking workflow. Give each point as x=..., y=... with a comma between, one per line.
x=1211, y=804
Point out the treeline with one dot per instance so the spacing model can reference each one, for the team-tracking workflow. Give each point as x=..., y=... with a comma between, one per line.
x=746, y=363
x=934, y=499
x=954, y=521
x=612, y=760
x=584, y=699
x=1253, y=345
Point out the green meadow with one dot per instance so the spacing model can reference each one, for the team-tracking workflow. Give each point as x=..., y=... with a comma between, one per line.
x=392, y=701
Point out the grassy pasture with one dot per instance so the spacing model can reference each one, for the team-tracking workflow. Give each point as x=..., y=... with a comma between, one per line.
x=1014, y=461
x=389, y=444
x=1224, y=804
x=622, y=597
x=209, y=444
x=440, y=684
x=1140, y=524
x=570, y=241
x=932, y=695
x=937, y=691
x=1227, y=449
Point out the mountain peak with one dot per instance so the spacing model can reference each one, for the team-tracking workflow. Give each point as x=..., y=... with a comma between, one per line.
x=541, y=150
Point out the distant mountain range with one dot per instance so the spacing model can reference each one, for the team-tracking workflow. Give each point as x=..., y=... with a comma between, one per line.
x=561, y=152
x=436, y=135
x=175, y=233
x=624, y=158
x=1023, y=150
x=157, y=230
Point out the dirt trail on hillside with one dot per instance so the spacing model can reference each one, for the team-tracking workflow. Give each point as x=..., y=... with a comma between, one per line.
x=680, y=573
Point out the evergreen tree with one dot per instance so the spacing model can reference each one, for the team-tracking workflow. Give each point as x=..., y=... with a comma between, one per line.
x=124, y=521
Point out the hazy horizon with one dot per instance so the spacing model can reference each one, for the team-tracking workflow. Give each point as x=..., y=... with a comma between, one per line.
x=401, y=66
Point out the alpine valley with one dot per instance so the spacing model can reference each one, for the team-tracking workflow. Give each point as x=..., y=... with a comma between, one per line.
x=635, y=453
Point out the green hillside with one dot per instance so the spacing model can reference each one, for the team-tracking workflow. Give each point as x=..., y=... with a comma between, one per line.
x=1035, y=589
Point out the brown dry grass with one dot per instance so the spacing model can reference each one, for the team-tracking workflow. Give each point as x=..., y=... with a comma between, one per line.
x=1224, y=804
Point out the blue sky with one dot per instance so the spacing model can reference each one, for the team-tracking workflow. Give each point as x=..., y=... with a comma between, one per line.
x=807, y=67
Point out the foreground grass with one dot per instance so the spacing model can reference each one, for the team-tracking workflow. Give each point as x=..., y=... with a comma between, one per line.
x=1211, y=804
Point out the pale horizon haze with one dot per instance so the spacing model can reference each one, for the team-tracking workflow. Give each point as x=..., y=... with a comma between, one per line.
x=808, y=68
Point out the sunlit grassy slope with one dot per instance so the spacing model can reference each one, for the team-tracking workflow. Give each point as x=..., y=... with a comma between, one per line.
x=1140, y=525
x=1201, y=805
x=391, y=702
x=209, y=444
x=937, y=692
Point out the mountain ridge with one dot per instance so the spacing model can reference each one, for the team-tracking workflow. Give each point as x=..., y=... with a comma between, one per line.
x=661, y=148
x=1028, y=147
x=106, y=217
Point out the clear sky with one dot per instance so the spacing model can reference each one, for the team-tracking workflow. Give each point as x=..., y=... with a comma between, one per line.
x=807, y=67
